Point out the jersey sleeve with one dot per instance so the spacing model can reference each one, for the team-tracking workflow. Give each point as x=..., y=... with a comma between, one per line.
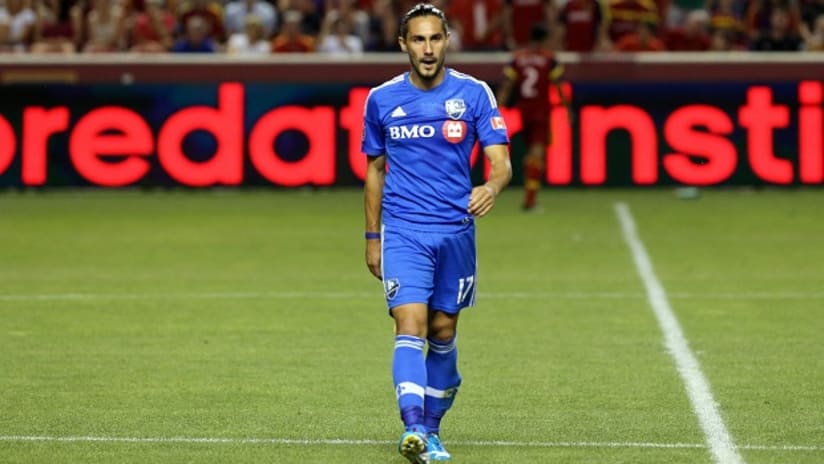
x=372, y=141
x=489, y=124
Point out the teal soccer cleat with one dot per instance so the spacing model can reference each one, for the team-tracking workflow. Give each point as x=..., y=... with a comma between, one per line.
x=413, y=447
x=435, y=452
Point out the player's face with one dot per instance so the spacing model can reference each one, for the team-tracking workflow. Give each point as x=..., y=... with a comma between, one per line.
x=426, y=43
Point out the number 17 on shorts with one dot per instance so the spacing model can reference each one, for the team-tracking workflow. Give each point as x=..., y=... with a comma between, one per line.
x=466, y=291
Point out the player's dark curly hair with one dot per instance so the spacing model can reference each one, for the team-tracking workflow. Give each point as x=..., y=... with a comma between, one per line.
x=422, y=9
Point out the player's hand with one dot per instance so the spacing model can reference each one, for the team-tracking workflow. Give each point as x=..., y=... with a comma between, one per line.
x=373, y=257
x=482, y=200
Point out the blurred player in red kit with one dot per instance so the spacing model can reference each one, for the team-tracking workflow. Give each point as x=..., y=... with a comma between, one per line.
x=527, y=79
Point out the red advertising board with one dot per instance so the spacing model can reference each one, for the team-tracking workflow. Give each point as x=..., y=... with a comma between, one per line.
x=705, y=133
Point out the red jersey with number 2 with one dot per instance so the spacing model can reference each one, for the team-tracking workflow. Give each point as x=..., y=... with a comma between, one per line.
x=533, y=71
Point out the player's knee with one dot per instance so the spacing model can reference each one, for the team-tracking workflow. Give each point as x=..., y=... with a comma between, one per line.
x=444, y=334
x=535, y=154
x=408, y=328
x=410, y=320
x=442, y=327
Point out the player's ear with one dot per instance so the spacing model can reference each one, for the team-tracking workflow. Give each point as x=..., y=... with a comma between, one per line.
x=402, y=43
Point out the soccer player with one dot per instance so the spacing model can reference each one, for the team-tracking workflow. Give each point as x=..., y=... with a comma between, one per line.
x=420, y=216
x=531, y=72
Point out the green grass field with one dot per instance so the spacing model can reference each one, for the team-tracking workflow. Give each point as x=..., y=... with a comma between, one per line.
x=243, y=327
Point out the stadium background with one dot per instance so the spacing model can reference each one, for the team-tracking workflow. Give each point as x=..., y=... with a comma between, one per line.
x=209, y=325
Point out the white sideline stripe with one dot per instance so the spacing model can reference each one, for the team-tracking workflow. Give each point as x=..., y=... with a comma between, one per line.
x=288, y=295
x=357, y=442
x=718, y=439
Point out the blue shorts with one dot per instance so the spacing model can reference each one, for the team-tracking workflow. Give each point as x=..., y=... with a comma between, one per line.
x=434, y=268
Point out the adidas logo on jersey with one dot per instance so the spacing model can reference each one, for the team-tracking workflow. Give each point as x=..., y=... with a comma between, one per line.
x=398, y=113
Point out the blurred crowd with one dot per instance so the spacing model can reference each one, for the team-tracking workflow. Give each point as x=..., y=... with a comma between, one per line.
x=345, y=27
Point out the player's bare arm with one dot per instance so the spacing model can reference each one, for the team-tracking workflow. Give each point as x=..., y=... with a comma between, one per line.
x=373, y=192
x=482, y=198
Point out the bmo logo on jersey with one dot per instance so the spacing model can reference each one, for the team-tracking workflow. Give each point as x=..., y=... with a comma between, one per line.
x=454, y=131
x=415, y=131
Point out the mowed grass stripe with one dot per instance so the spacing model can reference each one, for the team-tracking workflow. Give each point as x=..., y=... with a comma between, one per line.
x=764, y=358
x=721, y=443
x=243, y=310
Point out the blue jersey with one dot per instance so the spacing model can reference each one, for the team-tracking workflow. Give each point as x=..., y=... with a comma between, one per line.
x=427, y=137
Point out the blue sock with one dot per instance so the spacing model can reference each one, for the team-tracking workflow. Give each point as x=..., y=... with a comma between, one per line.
x=409, y=375
x=443, y=382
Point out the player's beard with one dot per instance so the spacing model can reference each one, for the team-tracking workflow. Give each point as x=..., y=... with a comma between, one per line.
x=429, y=73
